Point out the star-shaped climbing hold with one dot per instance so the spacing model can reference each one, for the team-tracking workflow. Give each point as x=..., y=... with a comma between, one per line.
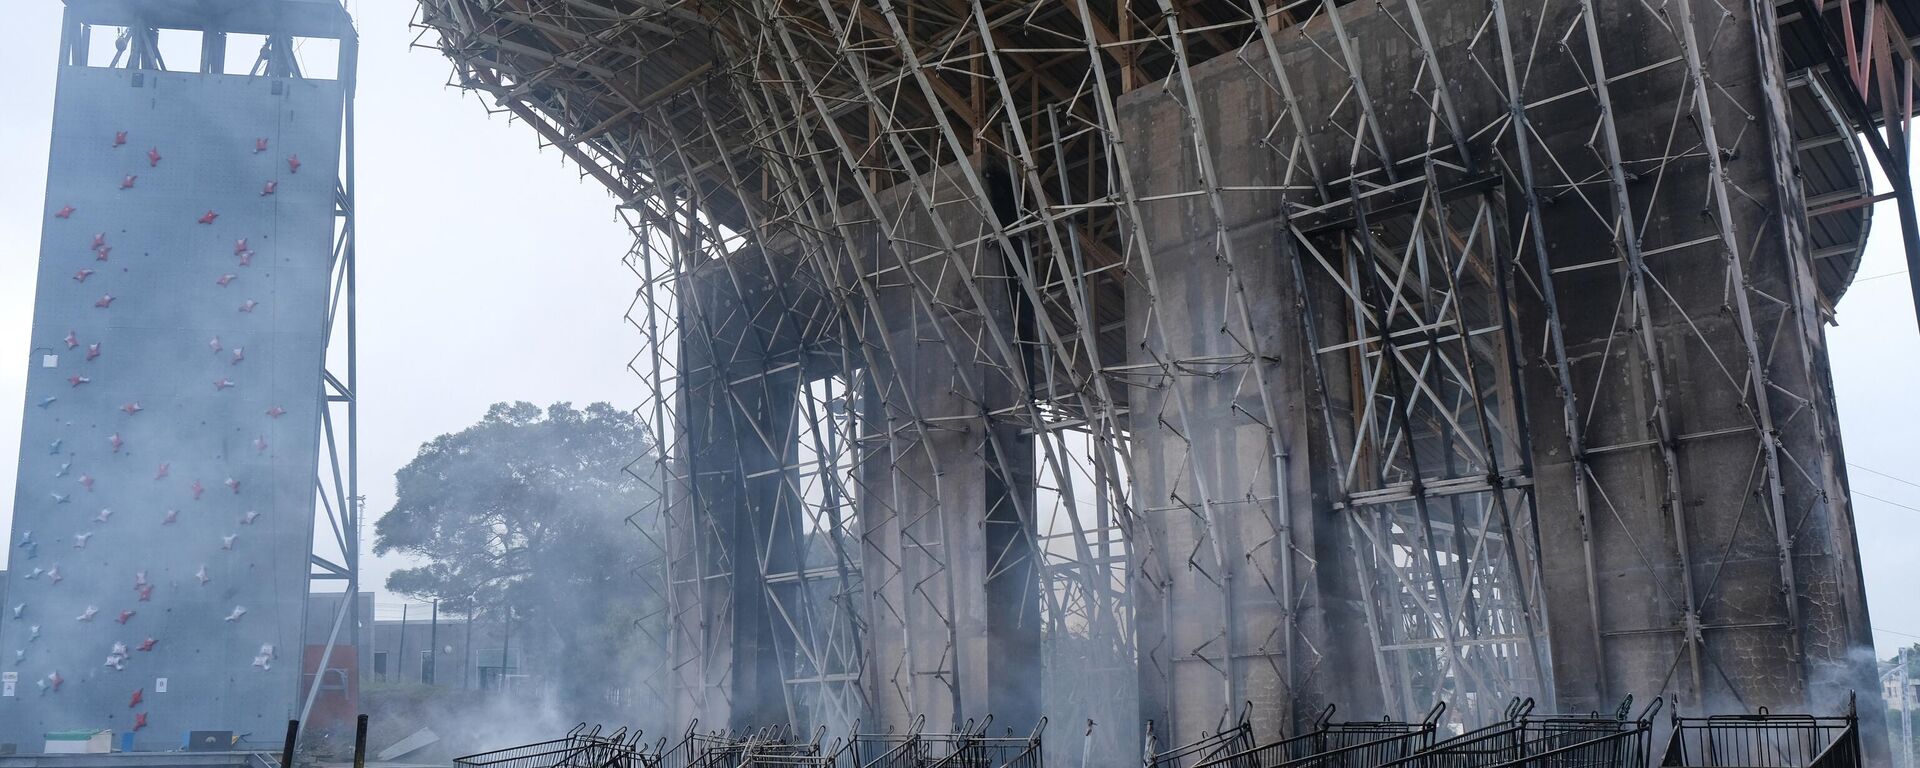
x=115, y=441
x=249, y=517
x=54, y=680
x=139, y=720
x=125, y=616
x=66, y=211
x=239, y=246
x=102, y=253
x=153, y=157
x=233, y=485
x=208, y=217
x=197, y=489
x=93, y=350
x=105, y=301
x=88, y=614
x=82, y=275
x=86, y=481
x=146, y=592
x=53, y=574
x=202, y=574
x=248, y=305
x=131, y=408
x=162, y=470
x=238, y=611
x=134, y=701
x=259, y=145
x=72, y=340
x=276, y=412
x=99, y=239
x=126, y=182
x=226, y=542
x=269, y=188
x=246, y=258
x=80, y=540
x=238, y=355
x=260, y=443
x=172, y=515
x=214, y=345
x=146, y=645
x=104, y=516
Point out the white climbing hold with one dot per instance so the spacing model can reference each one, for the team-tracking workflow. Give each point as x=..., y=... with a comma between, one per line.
x=238, y=611
x=88, y=614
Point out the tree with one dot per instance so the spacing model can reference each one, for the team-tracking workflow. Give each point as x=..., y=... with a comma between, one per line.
x=523, y=516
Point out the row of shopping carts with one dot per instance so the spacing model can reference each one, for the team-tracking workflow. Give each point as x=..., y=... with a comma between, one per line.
x=1521, y=739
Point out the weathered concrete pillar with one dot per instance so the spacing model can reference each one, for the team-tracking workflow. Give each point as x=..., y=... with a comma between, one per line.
x=946, y=475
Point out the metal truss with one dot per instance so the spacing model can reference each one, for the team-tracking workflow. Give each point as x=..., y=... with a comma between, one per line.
x=1140, y=296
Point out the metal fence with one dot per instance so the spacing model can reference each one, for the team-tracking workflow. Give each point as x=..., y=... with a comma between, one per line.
x=582, y=747
x=1228, y=741
x=1328, y=744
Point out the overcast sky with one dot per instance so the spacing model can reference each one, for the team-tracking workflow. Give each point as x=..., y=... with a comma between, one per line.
x=489, y=271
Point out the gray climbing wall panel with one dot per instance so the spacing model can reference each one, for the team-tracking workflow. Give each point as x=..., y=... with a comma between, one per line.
x=164, y=511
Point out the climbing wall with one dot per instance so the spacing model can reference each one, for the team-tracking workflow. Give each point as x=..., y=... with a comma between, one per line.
x=164, y=511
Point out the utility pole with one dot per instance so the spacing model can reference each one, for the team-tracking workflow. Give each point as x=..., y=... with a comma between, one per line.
x=433, y=647
x=400, y=665
x=466, y=651
x=1906, y=716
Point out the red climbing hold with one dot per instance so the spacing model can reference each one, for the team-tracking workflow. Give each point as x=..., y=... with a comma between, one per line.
x=116, y=442
x=127, y=182
x=248, y=305
x=269, y=188
x=239, y=246
x=72, y=340
x=276, y=412
x=293, y=163
x=259, y=145
x=124, y=616
x=78, y=380
x=135, y=701
x=119, y=138
x=146, y=592
x=140, y=721
x=208, y=217
x=146, y=645
x=82, y=275
x=93, y=350
x=224, y=280
x=99, y=239
x=54, y=680
x=105, y=301
x=153, y=157
x=101, y=253
x=131, y=409
x=162, y=471
x=65, y=211
x=197, y=489
x=222, y=384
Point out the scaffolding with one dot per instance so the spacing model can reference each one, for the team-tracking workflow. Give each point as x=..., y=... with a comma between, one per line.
x=1277, y=350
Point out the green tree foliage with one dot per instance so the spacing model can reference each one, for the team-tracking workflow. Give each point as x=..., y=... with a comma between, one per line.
x=525, y=515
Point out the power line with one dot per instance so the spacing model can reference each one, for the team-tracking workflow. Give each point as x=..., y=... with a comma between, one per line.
x=1894, y=478
x=1887, y=501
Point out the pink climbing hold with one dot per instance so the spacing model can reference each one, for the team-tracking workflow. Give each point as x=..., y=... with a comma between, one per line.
x=197, y=489
x=104, y=516
x=146, y=592
x=259, y=145
x=72, y=340
x=82, y=275
x=54, y=680
x=119, y=138
x=99, y=239
x=101, y=253
x=260, y=443
x=276, y=412
x=153, y=157
x=222, y=384
x=115, y=441
x=269, y=188
x=233, y=485
x=248, y=305
x=214, y=345
x=246, y=258
x=239, y=246
x=105, y=301
x=93, y=350
x=66, y=211
x=127, y=181
x=86, y=481
x=208, y=217
x=78, y=380
x=162, y=471
x=135, y=701
x=238, y=355
x=139, y=721
x=131, y=409
x=146, y=645
x=172, y=516
x=124, y=616
x=293, y=163
x=224, y=279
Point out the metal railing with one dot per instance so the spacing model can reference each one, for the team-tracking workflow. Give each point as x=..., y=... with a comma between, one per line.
x=1522, y=738
x=1228, y=741
x=582, y=747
